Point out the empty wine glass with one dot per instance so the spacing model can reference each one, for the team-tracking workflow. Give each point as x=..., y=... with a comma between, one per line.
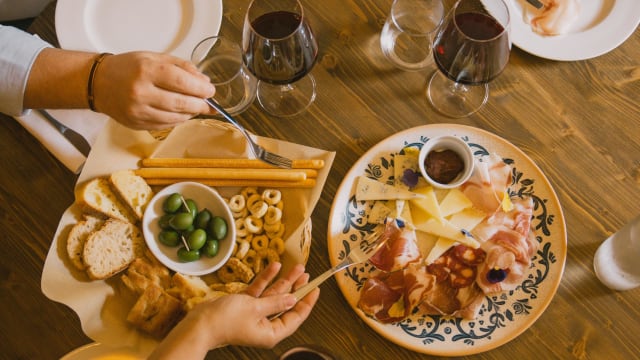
x=470, y=49
x=280, y=49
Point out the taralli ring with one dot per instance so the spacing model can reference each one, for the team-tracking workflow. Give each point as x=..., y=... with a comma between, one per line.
x=235, y=270
x=237, y=203
x=243, y=248
x=248, y=191
x=277, y=244
x=271, y=196
x=259, y=209
x=241, y=228
x=278, y=233
x=253, y=200
x=253, y=224
x=250, y=259
x=260, y=242
x=240, y=214
x=273, y=215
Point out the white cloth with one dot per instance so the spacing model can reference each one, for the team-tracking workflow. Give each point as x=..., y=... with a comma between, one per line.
x=21, y=9
x=18, y=52
x=86, y=122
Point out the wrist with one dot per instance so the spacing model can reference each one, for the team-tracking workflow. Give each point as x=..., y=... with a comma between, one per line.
x=91, y=81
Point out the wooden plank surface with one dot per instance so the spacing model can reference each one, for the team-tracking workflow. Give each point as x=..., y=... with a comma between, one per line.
x=579, y=121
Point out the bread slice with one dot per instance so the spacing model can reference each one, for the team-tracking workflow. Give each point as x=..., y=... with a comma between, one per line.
x=184, y=287
x=144, y=272
x=112, y=248
x=156, y=312
x=97, y=198
x=77, y=238
x=132, y=189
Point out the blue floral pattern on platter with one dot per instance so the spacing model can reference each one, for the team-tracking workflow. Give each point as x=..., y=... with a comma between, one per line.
x=502, y=316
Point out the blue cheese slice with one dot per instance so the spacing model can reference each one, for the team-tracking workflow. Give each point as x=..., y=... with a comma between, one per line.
x=401, y=163
x=369, y=189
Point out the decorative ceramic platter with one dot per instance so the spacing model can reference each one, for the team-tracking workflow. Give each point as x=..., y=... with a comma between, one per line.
x=503, y=316
x=601, y=27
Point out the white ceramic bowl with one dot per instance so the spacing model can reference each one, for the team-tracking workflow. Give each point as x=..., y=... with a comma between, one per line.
x=205, y=197
x=442, y=143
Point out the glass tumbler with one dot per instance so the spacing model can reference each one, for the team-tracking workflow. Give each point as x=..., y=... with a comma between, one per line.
x=221, y=60
x=407, y=36
x=616, y=261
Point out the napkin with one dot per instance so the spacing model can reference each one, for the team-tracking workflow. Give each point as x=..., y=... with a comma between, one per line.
x=85, y=122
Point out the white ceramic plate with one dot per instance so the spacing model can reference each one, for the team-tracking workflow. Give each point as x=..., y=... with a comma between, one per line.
x=98, y=351
x=503, y=316
x=117, y=26
x=206, y=198
x=602, y=26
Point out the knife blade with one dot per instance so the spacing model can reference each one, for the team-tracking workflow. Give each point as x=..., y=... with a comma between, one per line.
x=77, y=140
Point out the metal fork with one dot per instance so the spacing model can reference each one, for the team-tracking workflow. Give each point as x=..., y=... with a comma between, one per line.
x=258, y=151
x=371, y=244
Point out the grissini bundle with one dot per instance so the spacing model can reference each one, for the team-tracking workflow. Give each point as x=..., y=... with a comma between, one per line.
x=227, y=163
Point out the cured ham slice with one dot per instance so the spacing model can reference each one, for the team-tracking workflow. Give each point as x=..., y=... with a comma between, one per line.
x=399, y=250
x=391, y=296
x=555, y=18
x=448, y=301
x=488, y=184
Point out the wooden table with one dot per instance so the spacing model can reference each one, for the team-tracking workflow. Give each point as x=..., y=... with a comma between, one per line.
x=579, y=121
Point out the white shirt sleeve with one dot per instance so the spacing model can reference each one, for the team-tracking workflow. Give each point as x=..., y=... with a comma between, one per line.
x=18, y=52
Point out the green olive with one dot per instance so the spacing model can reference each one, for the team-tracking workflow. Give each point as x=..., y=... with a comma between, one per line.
x=218, y=228
x=210, y=248
x=188, y=255
x=202, y=219
x=197, y=239
x=172, y=203
x=163, y=222
x=181, y=221
x=192, y=207
x=169, y=237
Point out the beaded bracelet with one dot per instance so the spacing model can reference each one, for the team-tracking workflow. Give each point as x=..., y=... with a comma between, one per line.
x=92, y=75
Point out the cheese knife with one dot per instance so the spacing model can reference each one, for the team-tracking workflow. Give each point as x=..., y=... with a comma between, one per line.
x=74, y=138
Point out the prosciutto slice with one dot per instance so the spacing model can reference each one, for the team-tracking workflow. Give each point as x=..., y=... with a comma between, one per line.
x=391, y=296
x=555, y=18
x=488, y=183
x=509, y=243
x=399, y=250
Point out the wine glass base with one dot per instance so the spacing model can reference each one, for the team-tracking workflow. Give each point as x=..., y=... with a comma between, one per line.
x=454, y=99
x=287, y=100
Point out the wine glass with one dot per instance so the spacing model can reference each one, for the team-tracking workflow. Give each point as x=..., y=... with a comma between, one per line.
x=280, y=49
x=471, y=48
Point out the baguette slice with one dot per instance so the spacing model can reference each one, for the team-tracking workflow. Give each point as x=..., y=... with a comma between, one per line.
x=77, y=238
x=112, y=248
x=132, y=189
x=97, y=198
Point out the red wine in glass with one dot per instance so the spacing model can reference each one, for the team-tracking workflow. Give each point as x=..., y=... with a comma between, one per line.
x=476, y=61
x=470, y=49
x=282, y=48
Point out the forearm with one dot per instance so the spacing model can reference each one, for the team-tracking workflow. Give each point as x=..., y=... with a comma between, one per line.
x=58, y=79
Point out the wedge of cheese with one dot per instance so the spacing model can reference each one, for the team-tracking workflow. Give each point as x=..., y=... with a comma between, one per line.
x=370, y=189
x=466, y=219
x=447, y=230
x=403, y=162
x=428, y=203
x=379, y=212
x=454, y=202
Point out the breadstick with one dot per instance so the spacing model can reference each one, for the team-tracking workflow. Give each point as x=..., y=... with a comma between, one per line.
x=227, y=163
x=308, y=183
x=228, y=173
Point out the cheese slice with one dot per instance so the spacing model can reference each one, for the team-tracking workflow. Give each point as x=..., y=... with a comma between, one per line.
x=401, y=163
x=379, y=212
x=466, y=219
x=454, y=202
x=369, y=189
x=447, y=230
x=429, y=203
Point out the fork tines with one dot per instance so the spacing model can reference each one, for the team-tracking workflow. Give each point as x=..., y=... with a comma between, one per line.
x=277, y=160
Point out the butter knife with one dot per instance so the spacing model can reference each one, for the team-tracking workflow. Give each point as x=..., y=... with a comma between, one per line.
x=74, y=138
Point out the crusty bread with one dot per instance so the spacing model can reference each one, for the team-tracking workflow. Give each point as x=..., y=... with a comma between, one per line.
x=144, y=272
x=156, y=312
x=186, y=286
x=131, y=189
x=112, y=248
x=96, y=197
x=78, y=236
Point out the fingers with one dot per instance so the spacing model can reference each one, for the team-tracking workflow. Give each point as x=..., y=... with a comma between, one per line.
x=286, y=282
x=263, y=279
